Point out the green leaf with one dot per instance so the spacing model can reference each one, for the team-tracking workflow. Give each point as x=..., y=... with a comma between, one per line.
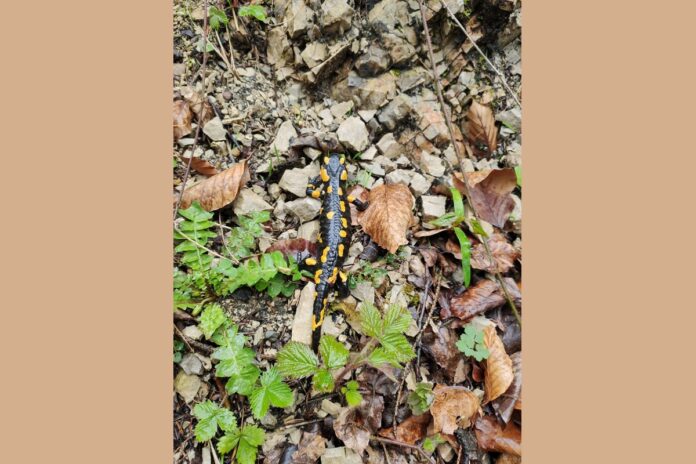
x=353, y=396
x=518, y=174
x=297, y=360
x=217, y=17
x=398, y=345
x=429, y=444
x=236, y=362
x=212, y=317
x=253, y=435
x=380, y=356
x=396, y=320
x=228, y=441
x=244, y=382
x=458, y=204
x=210, y=416
x=273, y=391
x=323, y=381
x=465, y=247
x=421, y=398
x=257, y=11
x=371, y=321
x=471, y=343
x=196, y=213
x=477, y=228
x=333, y=352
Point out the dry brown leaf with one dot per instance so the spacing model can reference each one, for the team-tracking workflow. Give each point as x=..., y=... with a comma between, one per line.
x=219, y=190
x=499, y=373
x=492, y=437
x=480, y=297
x=480, y=129
x=504, y=255
x=354, y=426
x=200, y=107
x=201, y=166
x=443, y=349
x=361, y=194
x=410, y=430
x=388, y=216
x=489, y=192
x=453, y=407
x=298, y=248
x=509, y=459
x=310, y=449
x=182, y=119
x=505, y=404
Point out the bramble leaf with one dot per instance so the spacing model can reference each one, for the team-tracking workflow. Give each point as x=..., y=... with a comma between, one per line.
x=210, y=416
x=333, y=352
x=212, y=317
x=273, y=391
x=323, y=381
x=297, y=360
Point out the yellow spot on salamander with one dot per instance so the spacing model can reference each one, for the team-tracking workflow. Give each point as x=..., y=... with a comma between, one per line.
x=310, y=261
x=326, y=160
x=329, y=189
x=319, y=239
x=315, y=324
x=341, y=248
x=332, y=279
x=350, y=198
x=343, y=233
x=342, y=204
x=340, y=191
x=344, y=222
x=344, y=175
x=342, y=160
x=330, y=215
x=316, y=193
x=317, y=276
x=324, y=175
x=325, y=254
x=344, y=276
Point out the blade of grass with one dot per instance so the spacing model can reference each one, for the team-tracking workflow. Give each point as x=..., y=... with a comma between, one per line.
x=465, y=247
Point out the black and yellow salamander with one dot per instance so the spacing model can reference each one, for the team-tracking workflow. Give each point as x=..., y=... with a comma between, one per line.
x=334, y=234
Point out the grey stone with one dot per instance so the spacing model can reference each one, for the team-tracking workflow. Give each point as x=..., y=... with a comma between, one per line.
x=248, y=201
x=314, y=53
x=187, y=386
x=389, y=147
x=364, y=291
x=311, y=153
x=400, y=51
x=296, y=180
x=369, y=154
x=192, y=331
x=286, y=131
x=466, y=78
x=374, y=61
x=341, y=109
x=309, y=230
x=433, y=206
x=387, y=14
x=305, y=209
x=511, y=118
x=419, y=184
x=395, y=111
x=191, y=364
x=431, y=164
x=399, y=176
x=215, y=130
x=336, y=16
x=299, y=18
x=353, y=134
x=371, y=93
x=366, y=115
x=278, y=51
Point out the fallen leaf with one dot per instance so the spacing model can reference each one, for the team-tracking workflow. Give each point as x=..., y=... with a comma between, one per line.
x=354, y=426
x=504, y=255
x=453, y=407
x=200, y=106
x=499, y=373
x=429, y=232
x=310, y=449
x=219, y=190
x=388, y=216
x=182, y=119
x=359, y=192
x=298, y=248
x=489, y=193
x=480, y=297
x=492, y=437
x=443, y=349
x=201, y=166
x=480, y=129
x=505, y=404
x=410, y=430
x=509, y=459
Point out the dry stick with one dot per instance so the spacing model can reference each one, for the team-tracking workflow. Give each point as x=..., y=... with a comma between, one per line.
x=433, y=305
x=490, y=63
x=198, y=126
x=460, y=157
x=405, y=445
x=386, y=453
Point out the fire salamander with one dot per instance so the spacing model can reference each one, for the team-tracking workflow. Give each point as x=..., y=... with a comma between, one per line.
x=334, y=234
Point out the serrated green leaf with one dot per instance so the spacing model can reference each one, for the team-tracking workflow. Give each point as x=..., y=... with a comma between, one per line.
x=253, y=435
x=429, y=444
x=380, y=356
x=396, y=320
x=297, y=360
x=217, y=17
x=273, y=391
x=371, y=321
x=196, y=213
x=421, y=398
x=353, y=397
x=333, y=353
x=398, y=345
x=465, y=247
x=268, y=268
x=210, y=416
x=323, y=381
x=244, y=382
x=212, y=317
x=257, y=11
x=228, y=441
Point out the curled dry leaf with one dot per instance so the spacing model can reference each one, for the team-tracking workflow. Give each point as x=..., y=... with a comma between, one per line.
x=489, y=192
x=199, y=105
x=310, y=449
x=453, y=407
x=388, y=216
x=443, y=349
x=480, y=297
x=182, y=119
x=509, y=459
x=201, y=166
x=504, y=255
x=219, y=190
x=499, y=373
x=409, y=431
x=505, y=404
x=492, y=437
x=480, y=130
x=298, y=248
x=354, y=426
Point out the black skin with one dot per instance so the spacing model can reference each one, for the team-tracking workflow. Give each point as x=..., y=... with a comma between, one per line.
x=334, y=236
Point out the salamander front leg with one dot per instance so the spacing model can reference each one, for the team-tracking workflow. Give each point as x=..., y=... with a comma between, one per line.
x=342, y=285
x=362, y=206
x=314, y=187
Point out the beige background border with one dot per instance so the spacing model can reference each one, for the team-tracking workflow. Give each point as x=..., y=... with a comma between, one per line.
x=608, y=169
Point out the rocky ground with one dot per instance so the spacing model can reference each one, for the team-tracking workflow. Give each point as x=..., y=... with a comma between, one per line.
x=356, y=77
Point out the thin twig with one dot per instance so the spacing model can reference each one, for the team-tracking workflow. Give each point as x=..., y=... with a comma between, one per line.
x=433, y=305
x=389, y=441
x=198, y=126
x=490, y=63
x=386, y=453
x=183, y=337
x=460, y=157
x=214, y=253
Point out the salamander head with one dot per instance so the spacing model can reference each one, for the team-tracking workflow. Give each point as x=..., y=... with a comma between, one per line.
x=335, y=164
